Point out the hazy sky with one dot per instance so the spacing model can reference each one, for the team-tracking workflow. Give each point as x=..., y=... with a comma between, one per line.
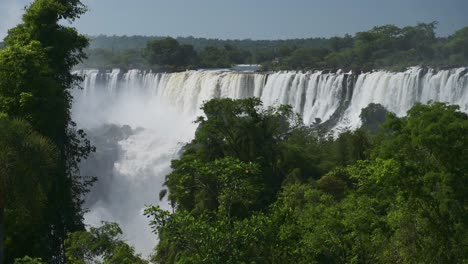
x=256, y=19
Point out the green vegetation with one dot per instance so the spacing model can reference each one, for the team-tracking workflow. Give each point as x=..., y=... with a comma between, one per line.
x=100, y=245
x=26, y=162
x=384, y=47
x=169, y=54
x=41, y=190
x=255, y=186
x=28, y=260
x=121, y=43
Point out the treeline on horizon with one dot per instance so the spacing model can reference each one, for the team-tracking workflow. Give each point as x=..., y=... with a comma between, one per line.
x=384, y=47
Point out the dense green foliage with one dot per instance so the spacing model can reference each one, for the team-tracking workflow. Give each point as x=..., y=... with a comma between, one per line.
x=26, y=162
x=169, y=54
x=222, y=57
x=101, y=245
x=40, y=147
x=237, y=129
x=28, y=260
x=120, y=43
x=388, y=47
x=255, y=186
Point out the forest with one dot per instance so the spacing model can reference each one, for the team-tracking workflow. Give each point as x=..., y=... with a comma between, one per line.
x=255, y=185
x=384, y=47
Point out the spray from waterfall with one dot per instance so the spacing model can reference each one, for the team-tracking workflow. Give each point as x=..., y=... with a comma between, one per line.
x=153, y=114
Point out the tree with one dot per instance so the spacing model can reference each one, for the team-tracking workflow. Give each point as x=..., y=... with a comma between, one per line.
x=428, y=152
x=26, y=162
x=340, y=43
x=457, y=47
x=226, y=176
x=185, y=238
x=421, y=38
x=236, y=55
x=304, y=58
x=398, y=197
x=35, y=84
x=372, y=117
x=246, y=131
x=225, y=184
x=170, y=54
x=375, y=44
x=100, y=245
x=214, y=57
x=403, y=204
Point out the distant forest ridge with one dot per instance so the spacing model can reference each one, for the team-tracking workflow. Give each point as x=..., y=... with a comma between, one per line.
x=120, y=43
x=384, y=47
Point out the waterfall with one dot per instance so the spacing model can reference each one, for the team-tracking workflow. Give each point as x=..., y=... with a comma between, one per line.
x=160, y=108
x=398, y=92
x=112, y=80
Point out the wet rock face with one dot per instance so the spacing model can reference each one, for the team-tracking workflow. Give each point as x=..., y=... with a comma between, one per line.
x=101, y=164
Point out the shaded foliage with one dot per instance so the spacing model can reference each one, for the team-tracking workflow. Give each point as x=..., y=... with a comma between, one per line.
x=396, y=197
x=169, y=54
x=100, y=245
x=28, y=260
x=35, y=85
x=27, y=162
x=244, y=130
x=372, y=117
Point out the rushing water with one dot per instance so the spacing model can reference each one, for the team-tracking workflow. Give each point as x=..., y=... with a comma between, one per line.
x=159, y=110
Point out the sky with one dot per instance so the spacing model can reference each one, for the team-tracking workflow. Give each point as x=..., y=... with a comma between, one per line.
x=254, y=19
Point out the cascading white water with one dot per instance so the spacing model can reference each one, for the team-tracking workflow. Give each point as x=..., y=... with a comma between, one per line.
x=165, y=104
x=397, y=92
x=112, y=83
